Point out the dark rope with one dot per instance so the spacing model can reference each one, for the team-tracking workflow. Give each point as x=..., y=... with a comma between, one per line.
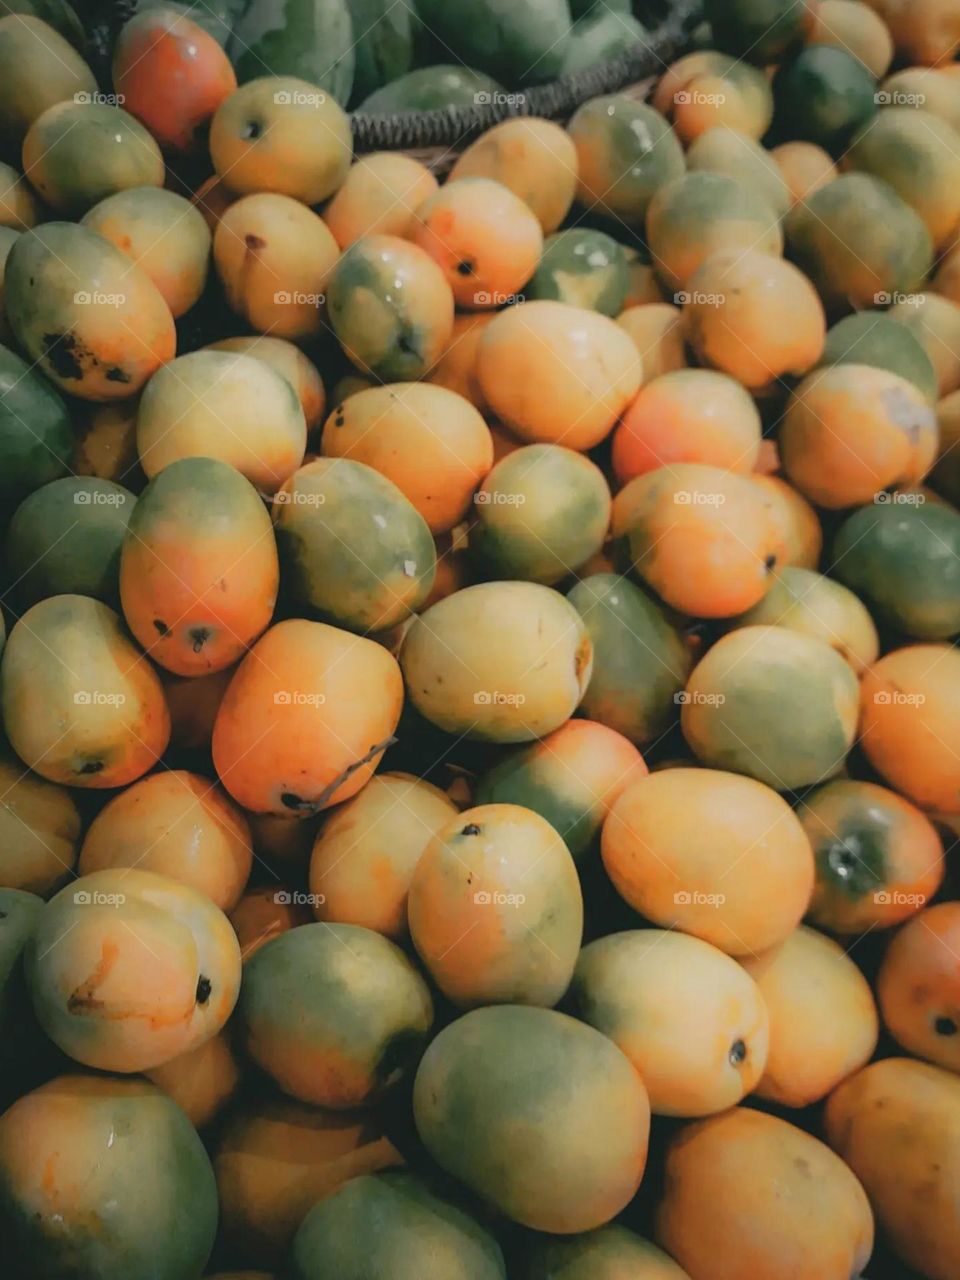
x=452, y=126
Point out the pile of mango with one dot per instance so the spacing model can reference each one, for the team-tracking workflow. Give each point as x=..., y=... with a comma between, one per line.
x=480, y=696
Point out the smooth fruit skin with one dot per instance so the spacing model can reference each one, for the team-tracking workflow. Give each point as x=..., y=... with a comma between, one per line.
x=151, y=970
x=36, y=433
x=823, y=1019
x=876, y=338
x=516, y=44
x=557, y=374
x=275, y=1159
x=202, y=1081
x=367, y=852
x=391, y=308
x=334, y=1014
x=535, y=158
x=823, y=95
x=714, y=854
x=316, y=42
x=225, y=405
x=500, y=661
x=305, y=719
x=700, y=536
x=172, y=74
x=640, y=660
x=626, y=150
x=918, y=986
x=571, y=777
x=805, y=168
x=608, y=1253
x=352, y=549
x=495, y=908
x=290, y=362
x=177, y=824
x=264, y=912
x=164, y=234
x=656, y=330
x=728, y=715
x=199, y=571
x=935, y=322
x=104, y=1178
x=38, y=68
x=432, y=443
x=879, y=858
x=40, y=829
x=686, y=1015
x=281, y=134
x=94, y=322
x=750, y=1195
x=705, y=88
x=896, y=1123
x=379, y=196
x=908, y=728
x=556, y=1118
x=392, y=1224
x=795, y=520
x=761, y=30
x=586, y=268
x=728, y=151
x=81, y=705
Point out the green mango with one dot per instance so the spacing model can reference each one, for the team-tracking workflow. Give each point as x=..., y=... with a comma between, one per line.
x=312, y=39
x=384, y=33
x=36, y=437
x=430, y=88
x=519, y=43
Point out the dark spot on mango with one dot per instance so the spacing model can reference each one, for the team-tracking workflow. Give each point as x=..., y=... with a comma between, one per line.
x=92, y=766
x=471, y=829
x=254, y=242
x=770, y=563
x=945, y=1027
x=252, y=129
x=407, y=346
x=199, y=637
x=738, y=1053
x=60, y=349
x=3, y=915
x=465, y=268
x=161, y=626
x=340, y=419
x=204, y=987
x=291, y=801
x=116, y=374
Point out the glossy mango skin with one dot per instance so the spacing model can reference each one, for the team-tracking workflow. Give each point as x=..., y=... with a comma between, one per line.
x=823, y=1018
x=391, y=308
x=728, y=715
x=164, y=234
x=625, y=151
x=468, y=674
x=431, y=442
x=39, y=830
x=199, y=571
x=795, y=520
x=392, y=1223
x=274, y=257
x=76, y=154
x=705, y=88
x=38, y=68
x=557, y=374
x=177, y=824
x=276, y=1158
x=712, y=853
x=290, y=362
x=353, y=550
x=305, y=719
x=379, y=196
x=151, y=971
x=495, y=908
x=729, y=151
x=896, y=1125
x=557, y=1118
x=805, y=168
x=335, y=1014
x=686, y=1015
x=483, y=237
x=81, y=705
x=76, y=1201
x=608, y=1253
x=264, y=912
x=154, y=52
x=227, y=405
x=282, y=134
x=769, y=1200
x=365, y=856
x=571, y=777
x=918, y=989
x=95, y=323
x=535, y=158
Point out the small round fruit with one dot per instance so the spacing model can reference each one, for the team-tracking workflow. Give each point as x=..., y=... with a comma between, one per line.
x=40, y=828
x=379, y=196
x=824, y=95
x=919, y=986
x=535, y=158
x=583, y=267
x=805, y=168
x=705, y=88
x=626, y=150
x=656, y=329
x=851, y=25
x=290, y=362
x=796, y=522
